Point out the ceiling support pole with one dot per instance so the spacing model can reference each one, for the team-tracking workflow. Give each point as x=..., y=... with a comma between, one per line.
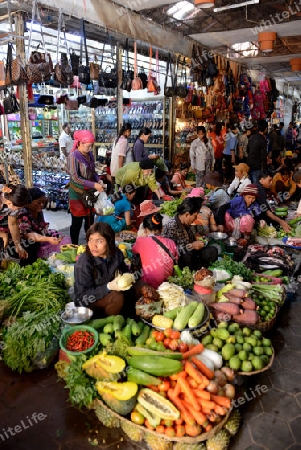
x=24, y=117
x=119, y=90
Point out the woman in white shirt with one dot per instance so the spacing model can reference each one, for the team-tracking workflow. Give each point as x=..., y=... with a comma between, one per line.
x=201, y=155
x=121, y=152
x=240, y=181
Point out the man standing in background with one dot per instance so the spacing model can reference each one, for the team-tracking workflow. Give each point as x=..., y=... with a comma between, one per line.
x=257, y=151
x=65, y=141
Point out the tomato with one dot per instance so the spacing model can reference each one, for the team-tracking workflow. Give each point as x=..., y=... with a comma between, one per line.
x=160, y=336
x=167, y=332
x=180, y=430
x=175, y=334
x=173, y=345
x=137, y=418
x=183, y=347
x=164, y=386
x=160, y=429
x=166, y=342
x=154, y=334
x=170, y=432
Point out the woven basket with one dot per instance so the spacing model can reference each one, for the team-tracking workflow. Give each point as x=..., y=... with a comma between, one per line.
x=187, y=439
x=265, y=326
x=256, y=372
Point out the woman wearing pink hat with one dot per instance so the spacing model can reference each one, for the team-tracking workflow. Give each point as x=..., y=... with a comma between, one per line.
x=82, y=177
x=239, y=213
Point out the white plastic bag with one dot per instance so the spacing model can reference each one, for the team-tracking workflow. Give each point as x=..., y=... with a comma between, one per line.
x=103, y=205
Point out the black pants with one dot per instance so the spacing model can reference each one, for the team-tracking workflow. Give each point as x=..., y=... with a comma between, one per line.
x=196, y=259
x=76, y=224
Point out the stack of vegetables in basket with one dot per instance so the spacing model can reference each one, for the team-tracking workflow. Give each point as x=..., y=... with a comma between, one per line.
x=173, y=394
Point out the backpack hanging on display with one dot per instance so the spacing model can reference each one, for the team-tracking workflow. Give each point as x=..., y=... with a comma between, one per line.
x=83, y=70
x=136, y=83
x=63, y=70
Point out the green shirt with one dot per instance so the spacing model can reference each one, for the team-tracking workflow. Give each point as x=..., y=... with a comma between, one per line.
x=131, y=173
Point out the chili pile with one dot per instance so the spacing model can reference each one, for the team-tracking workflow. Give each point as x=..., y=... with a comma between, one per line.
x=79, y=341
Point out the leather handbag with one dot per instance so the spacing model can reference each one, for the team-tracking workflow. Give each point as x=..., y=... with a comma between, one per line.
x=10, y=103
x=19, y=75
x=169, y=91
x=45, y=99
x=94, y=70
x=143, y=77
x=63, y=73
x=8, y=68
x=136, y=83
x=74, y=58
x=2, y=73
x=109, y=78
x=81, y=99
x=71, y=104
x=83, y=70
x=152, y=85
x=127, y=74
x=181, y=88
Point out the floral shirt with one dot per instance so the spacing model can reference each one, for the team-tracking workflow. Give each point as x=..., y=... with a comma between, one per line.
x=178, y=232
x=4, y=213
x=29, y=224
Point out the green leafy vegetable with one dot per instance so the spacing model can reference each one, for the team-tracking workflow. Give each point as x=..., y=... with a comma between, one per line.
x=81, y=387
x=170, y=207
x=234, y=267
x=183, y=278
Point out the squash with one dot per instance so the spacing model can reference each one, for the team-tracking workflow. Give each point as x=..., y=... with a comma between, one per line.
x=120, y=397
x=104, y=367
x=156, y=365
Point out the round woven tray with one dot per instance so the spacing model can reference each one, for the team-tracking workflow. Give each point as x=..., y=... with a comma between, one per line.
x=126, y=236
x=256, y=372
x=187, y=439
x=265, y=326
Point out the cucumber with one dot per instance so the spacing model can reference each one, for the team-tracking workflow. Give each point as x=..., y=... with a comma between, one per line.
x=172, y=314
x=100, y=323
x=127, y=332
x=280, y=213
x=104, y=339
x=273, y=273
x=143, y=336
x=118, y=323
x=135, y=329
x=108, y=328
x=140, y=377
x=282, y=209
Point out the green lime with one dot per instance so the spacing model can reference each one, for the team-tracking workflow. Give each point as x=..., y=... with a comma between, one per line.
x=238, y=347
x=251, y=356
x=266, y=342
x=268, y=351
x=239, y=338
x=243, y=355
x=258, y=351
x=247, y=347
x=231, y=340
x=212, y=347
x=246, y=366
x=228, y=351
x=257, y=363
x=207, y=340
x=234, y=362
x=223, y=325
x=233, y=328
x=246, y=331
x=218, y=342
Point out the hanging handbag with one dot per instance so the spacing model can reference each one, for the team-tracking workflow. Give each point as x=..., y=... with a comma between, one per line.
x=39, y=67
x=181, y=89
x=127, y=74
x=45, y=99
x=108, y=78
x=74, y=58
x=71, y=104
x=158, y=90
x=83, y=70
x=19, y=75
x=143, y=77
x=94, y=69
x=63, y=70
x=10, y=103
x=8, y=68
x=2, y=73
x=152, y=85
x=81, y=99
x=136, y=83
x=169, y=91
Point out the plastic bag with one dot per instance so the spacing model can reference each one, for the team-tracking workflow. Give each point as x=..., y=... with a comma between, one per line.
x=236, y=231
x=103, y=205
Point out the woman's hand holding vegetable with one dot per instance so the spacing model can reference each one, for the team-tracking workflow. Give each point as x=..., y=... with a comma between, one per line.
x=54, y=240
x=197, y=245
x=285, y=226
x=21, y=252
x=113, y=285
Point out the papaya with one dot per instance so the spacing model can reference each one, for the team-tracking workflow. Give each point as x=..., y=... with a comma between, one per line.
x=104, y=367
x=158, y=405
x=120, y=397
x=152, y=418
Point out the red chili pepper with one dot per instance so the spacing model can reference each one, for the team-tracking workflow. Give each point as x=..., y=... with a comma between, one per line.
x=79, y=341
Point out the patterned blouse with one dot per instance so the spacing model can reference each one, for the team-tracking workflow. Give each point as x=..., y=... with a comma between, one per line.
x=179, y=233
x=29, y=224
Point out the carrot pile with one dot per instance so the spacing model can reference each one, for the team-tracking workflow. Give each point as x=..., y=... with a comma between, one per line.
x=199, y=408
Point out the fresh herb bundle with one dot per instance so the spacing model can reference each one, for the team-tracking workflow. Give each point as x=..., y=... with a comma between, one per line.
x=234, y=267
x=29, y=336
x=81, y=387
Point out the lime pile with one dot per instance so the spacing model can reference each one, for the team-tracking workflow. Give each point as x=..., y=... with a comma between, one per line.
x=267, y=308
x=242, y=349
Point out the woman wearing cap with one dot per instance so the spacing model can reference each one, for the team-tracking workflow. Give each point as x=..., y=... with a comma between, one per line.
x=121, y=218
x=82, y=177
x=141, y=176
x=240, y=181
x=283, y=182
x=239, y=213
x=158, y=254
x=192, y=252
x=201, y=155
x=179, y=177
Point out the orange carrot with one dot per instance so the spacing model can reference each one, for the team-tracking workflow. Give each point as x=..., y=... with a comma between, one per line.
x=192, y=430
x=220, y=410
x=203, y=368
x=177, y=389
x=185, y=415
x=202, y=394
x=204, y=383
x=188, y=392
x=206, y=411
x=221, y=400
x=213, y=416
x=174, y=377
x=192, y=383
x=197, y=349
x=198, y=416
x=193, y=372
x=206, y=403
x=208, y=428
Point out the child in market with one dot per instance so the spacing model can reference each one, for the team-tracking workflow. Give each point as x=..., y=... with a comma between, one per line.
x=13, y=199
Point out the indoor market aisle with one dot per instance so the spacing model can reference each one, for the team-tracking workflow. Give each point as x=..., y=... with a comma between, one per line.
x=38, y=403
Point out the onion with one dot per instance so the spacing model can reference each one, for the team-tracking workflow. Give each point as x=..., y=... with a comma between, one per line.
x=221, y=391
x=220, y=378
x=212, y=387
x=229, y=391
x=230, y=374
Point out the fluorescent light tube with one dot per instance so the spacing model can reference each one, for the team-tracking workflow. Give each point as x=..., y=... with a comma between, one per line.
x=236, y=5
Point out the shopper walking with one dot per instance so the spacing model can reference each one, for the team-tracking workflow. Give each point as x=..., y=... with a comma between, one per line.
x=83, y=177
x=121, y=151
x=257, y=151
x=201, y=155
